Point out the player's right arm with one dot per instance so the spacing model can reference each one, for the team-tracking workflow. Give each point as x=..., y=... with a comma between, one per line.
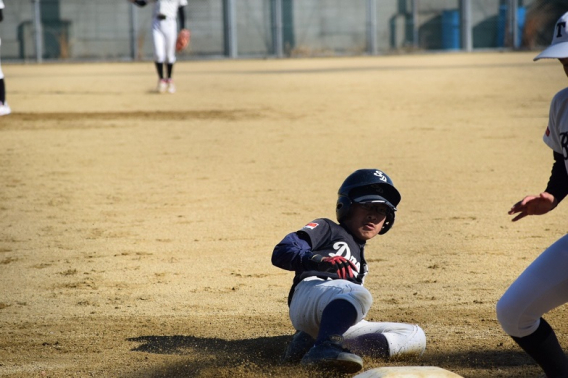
x=295, y=253
x=292, y=253
x=546, y=201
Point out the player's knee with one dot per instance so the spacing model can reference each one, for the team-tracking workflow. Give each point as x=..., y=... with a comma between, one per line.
x=409, y=340
x=503, y=312
x=513, y=320
x=361, y=299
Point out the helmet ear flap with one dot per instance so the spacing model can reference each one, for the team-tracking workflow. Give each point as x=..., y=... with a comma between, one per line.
x=389, y=221
x=342, y=207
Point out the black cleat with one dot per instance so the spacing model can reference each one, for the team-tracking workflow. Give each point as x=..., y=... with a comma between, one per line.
x=330, y=355
x=298, y=347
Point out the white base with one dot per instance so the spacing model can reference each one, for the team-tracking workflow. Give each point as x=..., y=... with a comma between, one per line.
x=408, y=372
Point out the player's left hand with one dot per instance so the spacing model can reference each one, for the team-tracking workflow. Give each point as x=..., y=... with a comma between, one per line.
x=183, y=39
x=344, y=268
x=533, y=205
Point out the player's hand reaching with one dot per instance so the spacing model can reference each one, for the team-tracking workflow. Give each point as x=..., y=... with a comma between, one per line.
x=533, y=205
x=344, y=268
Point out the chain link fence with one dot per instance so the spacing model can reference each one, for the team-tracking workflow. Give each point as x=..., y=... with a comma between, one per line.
x=117, y=30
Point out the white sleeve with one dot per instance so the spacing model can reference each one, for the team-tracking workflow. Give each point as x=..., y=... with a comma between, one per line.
x=1, y=4
x=557, y=119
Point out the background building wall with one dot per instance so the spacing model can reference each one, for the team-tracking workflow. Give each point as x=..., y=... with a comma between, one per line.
x=106, y=29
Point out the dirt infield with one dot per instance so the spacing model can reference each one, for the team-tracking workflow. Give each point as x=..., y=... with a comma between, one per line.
x=136, y=229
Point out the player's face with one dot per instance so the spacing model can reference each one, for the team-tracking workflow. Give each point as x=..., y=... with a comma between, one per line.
x=564, y=62
x=366, y=219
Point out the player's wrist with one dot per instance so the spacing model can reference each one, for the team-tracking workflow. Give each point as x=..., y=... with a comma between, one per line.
x=313, y=261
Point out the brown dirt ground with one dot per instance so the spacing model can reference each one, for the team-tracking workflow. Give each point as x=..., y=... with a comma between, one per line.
x=136, y=229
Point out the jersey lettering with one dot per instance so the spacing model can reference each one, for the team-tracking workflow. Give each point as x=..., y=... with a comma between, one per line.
x=564, y=144
x=343, y=250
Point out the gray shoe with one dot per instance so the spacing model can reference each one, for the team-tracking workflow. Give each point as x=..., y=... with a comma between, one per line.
x=330, y=355
x=298, y=347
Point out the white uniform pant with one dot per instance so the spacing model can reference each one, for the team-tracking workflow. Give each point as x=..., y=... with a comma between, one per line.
x=313, y=294
x=540, y=288
x=164, y=35
x=1, y=73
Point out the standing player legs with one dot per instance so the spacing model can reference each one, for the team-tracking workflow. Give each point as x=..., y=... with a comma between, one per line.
x=160, y=69
x=4, y=108
x=169, y=30
x=540, y=288
x=159, y=54
x=171, y=85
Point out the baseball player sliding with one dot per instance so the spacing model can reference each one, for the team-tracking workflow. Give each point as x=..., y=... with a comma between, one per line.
x=165, y=36
x=327, y=302
x=4, y=108
x=543, y=286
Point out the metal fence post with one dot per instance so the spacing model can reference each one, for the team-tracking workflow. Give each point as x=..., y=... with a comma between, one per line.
x=415, y=26
x=133, y=29
x=514, y=25
x=38, y=34
x=277, y=34
x=230, y=28
x=372, y=27
x=511, y=25
x=466, y=33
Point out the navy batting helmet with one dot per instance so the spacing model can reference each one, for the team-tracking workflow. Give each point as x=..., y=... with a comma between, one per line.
x=368, y=185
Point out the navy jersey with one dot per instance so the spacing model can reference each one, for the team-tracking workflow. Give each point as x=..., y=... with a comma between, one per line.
x=323, y=237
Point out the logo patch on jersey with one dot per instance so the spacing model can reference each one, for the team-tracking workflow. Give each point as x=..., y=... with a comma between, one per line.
x=547, y=132
x=311, y=226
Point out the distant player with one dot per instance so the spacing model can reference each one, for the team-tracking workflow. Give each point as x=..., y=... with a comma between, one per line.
x=4, y=108
x=164, y=36
x=327, y=302
x=543, y=286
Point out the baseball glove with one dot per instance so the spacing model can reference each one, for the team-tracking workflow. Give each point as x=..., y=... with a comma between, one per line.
x=183, y=39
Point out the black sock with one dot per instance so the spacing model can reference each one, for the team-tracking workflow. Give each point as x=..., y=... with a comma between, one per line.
x=337, y=317
x=170, y=68
x=160, y=69
x=2, y=91
x=542, y=345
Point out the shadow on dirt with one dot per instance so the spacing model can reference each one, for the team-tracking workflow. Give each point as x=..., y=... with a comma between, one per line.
x=260, y=357
x=264, y=349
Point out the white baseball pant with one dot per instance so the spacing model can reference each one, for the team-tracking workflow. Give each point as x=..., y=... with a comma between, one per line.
x=164, y=35
x=1, y=73
x=313, y=294
x=540, y=288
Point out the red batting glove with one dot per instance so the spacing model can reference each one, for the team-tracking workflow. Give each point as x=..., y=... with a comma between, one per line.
x=344, y=268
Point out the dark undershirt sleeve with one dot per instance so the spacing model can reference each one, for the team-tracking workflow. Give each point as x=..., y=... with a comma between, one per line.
x=181, y=17
x=558, y=182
